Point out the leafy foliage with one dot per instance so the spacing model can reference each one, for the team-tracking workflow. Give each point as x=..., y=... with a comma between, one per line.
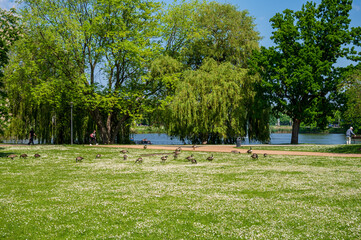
x=214, y=100
x=299, y=76
x=195, y=31
x=209, y=104
x=101, y=55
x=352, y=90
x=10, y=31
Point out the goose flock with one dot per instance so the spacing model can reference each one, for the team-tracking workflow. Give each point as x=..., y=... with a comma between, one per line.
x=12, y=156
x=164, y=158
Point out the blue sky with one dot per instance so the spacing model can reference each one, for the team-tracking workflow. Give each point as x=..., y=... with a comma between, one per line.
x=261, y=10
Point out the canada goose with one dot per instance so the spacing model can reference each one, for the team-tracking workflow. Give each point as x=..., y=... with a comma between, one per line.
x=37, y=155
x=177, y=152
x=98, y=156
x=254, y=156
x=189, y=158
x=175, y=156
x=164, y=158
x=265, y=155
x=178, y=149
x=24, y=155
x=145, y=147
x=124, y=151
x=12, y=156
x=235, y=151
x=125, y=157
x=249, y=150
x=211, y=158
x=139, y=160
x=79, y=159
x=194, y=147
x=194, y=161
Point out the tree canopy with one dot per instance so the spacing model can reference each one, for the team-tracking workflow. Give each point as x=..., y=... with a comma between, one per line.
x=351, y=88
x=10, y=31
x=209, y=104
x=214, y=99
x=195, y=31
x=97, y=54
x=118, y=60
x=299, y=76
x=186, y=64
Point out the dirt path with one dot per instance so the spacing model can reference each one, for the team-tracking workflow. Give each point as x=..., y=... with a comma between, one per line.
x=230, y=148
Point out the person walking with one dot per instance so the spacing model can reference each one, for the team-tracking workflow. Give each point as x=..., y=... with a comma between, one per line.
x=349, y=134
x=93, y=138
x=31, y=136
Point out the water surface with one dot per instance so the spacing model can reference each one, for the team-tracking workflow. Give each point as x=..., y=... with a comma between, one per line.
x=276, y=138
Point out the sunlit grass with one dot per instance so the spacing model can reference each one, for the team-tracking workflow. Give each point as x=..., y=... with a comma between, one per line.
x=341, y=148
x=233, y=197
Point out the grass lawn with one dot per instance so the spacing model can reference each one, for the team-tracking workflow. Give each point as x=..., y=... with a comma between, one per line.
x=233, y=197
x=342, y=148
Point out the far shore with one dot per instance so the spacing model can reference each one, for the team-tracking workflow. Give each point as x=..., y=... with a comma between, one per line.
x=144, y=129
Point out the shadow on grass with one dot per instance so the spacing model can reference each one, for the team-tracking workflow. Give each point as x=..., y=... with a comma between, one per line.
x=4, y=154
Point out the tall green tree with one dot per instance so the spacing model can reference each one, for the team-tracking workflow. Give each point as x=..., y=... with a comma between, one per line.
x=97, y=54
x=10, y=31
x=39, y=92
x=351, y=88
x=299, y=76
x=214, y=100
x=210, y=104
x=195, y=31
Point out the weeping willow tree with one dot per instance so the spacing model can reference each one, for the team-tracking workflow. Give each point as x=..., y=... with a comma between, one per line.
x=212, y=104
x=39, y=94
x=214, y=100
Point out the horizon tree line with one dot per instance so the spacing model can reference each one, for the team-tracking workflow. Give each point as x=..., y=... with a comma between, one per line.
x=195, y=67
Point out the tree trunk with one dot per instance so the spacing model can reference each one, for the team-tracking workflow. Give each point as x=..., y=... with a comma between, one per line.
x=109, y=128
x=101, y=126
x=295, y=131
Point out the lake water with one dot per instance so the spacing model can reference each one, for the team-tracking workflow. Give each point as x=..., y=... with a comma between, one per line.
x=276, y=138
